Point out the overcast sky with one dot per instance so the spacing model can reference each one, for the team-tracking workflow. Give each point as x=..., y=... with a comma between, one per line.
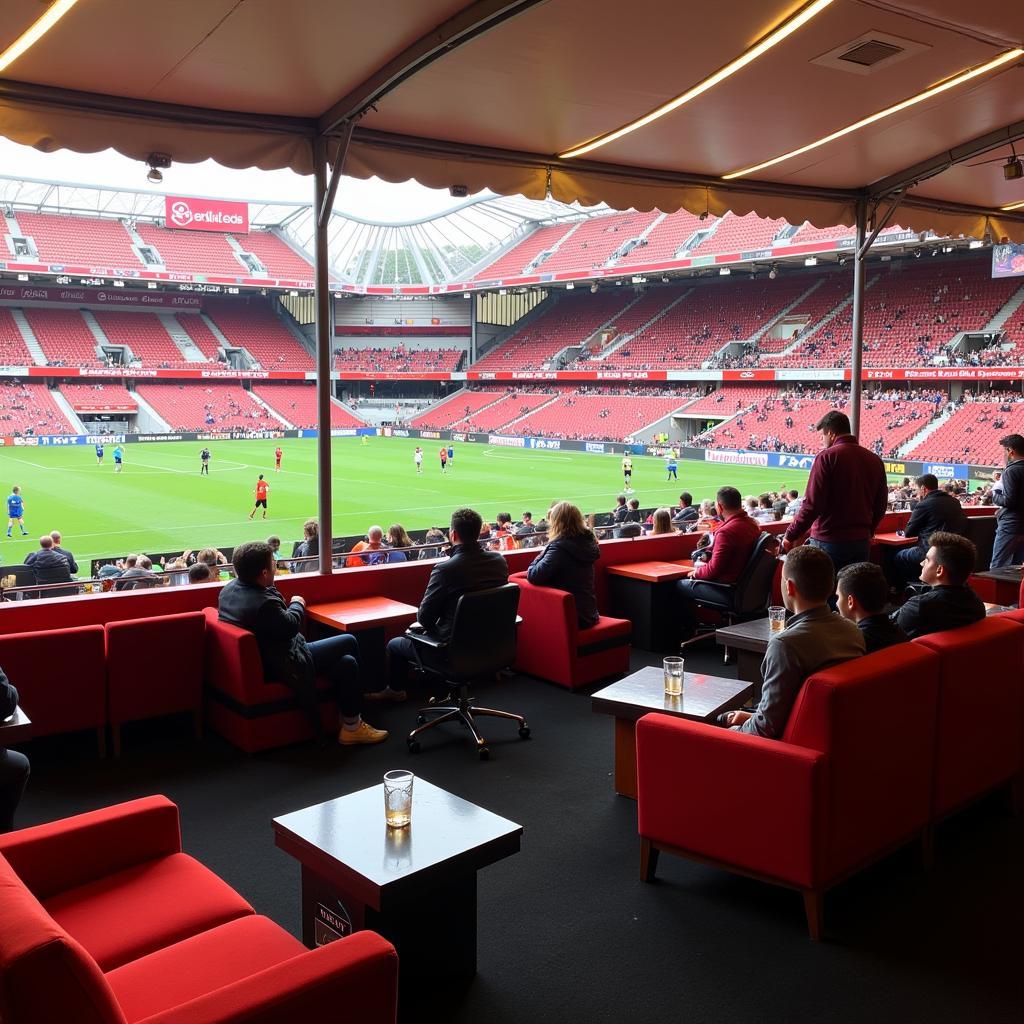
x=373, y=199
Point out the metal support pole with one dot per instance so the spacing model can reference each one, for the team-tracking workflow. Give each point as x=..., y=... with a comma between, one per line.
x=857, y=351
x=324, y=339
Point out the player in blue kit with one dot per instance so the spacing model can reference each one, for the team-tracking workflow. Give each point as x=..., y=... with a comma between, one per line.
x=671, y=467
x=118, y=458
x=99, y=453
x=451, y=457
x=16, y=511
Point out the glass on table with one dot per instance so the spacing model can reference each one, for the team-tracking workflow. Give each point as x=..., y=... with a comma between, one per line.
x=398, y=798
x=776, y=618
x=673, y=676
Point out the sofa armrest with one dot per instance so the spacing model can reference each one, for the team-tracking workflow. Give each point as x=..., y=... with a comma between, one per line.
x=355, y=979
x=63, y=854
x=743, y=801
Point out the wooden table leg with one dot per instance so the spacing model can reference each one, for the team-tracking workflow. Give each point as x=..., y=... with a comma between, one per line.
x=625, y=757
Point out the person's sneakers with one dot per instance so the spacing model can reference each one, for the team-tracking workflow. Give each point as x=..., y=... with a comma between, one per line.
x=397, y=696
x=363, y=733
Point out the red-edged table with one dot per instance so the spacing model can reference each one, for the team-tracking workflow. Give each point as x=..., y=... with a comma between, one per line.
x=642, y=593
x=894, y=540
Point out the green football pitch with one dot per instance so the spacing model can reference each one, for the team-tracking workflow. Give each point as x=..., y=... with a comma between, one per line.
x=159, y=502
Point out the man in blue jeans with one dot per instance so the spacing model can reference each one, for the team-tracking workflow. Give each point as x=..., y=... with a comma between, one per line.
x=252, y=602
x=1008, y=547
x=846, y=497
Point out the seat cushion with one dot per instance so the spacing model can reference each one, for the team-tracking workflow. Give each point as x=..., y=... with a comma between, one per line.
x=606, y=634
x=200, y=964
x=144, y=908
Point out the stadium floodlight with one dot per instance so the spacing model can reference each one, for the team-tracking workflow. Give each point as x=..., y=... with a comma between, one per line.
x=35, y=31
x=724, y=271
x=950, y=83
x=811, y=261
x=762, y=46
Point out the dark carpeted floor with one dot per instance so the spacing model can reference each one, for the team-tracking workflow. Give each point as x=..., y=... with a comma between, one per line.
x=567, y=932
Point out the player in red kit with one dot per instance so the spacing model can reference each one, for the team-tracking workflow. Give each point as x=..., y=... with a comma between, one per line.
x=277, y=459
x=262, y=490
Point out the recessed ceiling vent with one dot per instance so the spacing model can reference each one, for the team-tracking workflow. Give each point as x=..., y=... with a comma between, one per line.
x=869, y=53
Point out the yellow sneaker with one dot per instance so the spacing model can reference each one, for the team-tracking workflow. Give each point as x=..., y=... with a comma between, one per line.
x=365, y=733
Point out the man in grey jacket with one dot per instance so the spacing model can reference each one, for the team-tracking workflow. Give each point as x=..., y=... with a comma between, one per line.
x=814, y=638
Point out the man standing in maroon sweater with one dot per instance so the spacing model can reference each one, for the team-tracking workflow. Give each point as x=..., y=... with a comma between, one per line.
x=732, y=545
x=846, y=496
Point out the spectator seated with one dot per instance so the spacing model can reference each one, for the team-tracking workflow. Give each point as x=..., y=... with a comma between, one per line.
x=297, y=404
x=208, y=406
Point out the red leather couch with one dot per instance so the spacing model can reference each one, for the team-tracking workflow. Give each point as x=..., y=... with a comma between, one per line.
x=106, y=921
x=250, y=712
x=154, y=667
x=850, y=780
x=61, y=678
x=552, y=646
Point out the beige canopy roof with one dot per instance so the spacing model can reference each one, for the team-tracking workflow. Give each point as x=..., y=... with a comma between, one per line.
x=487, y=94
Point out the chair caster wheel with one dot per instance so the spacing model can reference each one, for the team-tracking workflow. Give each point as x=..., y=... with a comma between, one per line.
x=524, y=733
x=421, y=719
x=414, y=746
x=484, y=754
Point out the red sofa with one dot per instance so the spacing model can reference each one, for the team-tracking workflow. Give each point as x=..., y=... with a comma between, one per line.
x=552, y=646
x=61, y=677
x=850, y=780
x=106, y=921
x=155, y=667
x=250, y=712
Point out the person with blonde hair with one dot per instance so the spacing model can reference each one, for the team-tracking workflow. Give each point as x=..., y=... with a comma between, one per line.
x=567, y=561
x=662, y=522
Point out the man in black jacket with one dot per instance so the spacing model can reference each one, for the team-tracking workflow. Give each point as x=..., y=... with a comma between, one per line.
x=950, y=603
x=469, y=568
x=49, y=567
x=862, y=592
x=1008, y=548
x=72, y=564
x=686, y=513
x=252, y=602
x=936, y=510
x=14, y=767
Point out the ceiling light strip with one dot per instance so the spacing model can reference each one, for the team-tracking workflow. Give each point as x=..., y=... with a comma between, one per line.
x=786, y=29
x=935, y=90
x=35, y=31
x=1013, y=206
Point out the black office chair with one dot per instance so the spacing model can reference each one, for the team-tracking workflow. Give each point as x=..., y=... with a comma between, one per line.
x=483, y=642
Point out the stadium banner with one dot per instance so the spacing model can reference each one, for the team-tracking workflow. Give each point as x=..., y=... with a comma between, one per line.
x=748, y=375
x=551, y=444
x=360, y=375
x=787, y=460
x=595, y=447
x=945, y=373
x=191, y=214
x=732, y=457
x=153, y=373
x=96, y=296
x=1008, y=260
x=501, y=441
x=580, y=375
x=947, y=470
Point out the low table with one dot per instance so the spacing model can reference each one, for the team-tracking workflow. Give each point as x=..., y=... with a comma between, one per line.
x=749, y=640
x=1005, y=582
x=894, y=540
x=416, y=886
x=704, y=699
x=16, y=728
x=642, y=593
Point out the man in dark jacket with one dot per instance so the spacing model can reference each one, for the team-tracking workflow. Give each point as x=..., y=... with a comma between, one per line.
x=1008, y=548
x=72, y=564
x=846, y=497
x=14, y=767
x=950, y=603
x=862, y=594
x=936, y=510
x=49, y=567
x=686, y=513
x=468, y=568
x=252, y=602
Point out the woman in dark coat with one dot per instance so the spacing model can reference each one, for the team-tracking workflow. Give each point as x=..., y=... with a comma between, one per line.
x=567, y=561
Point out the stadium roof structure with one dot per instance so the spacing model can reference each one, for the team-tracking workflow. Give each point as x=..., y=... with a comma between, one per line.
x=651, y=104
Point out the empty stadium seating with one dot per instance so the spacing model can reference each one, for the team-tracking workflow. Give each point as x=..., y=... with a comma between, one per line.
x=87, y=240
x=503, y=412
x=29, y=408
x=607, y=417
x=280, y=259
x=398, y=360
x=514, y=261
x=665, y=238
x=199, y=253
x=297, y=404
x=208, y=406
x=830, y=294
x=252, y=325
x=202, y=337
x=144, y=334
x=13, y=350
x=970, y=436
x=460, y=406
x=63, y=336
x=739, y=234
x=594, y=241
x=98, y=397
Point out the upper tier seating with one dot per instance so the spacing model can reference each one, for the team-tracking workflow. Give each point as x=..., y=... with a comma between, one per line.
x=665, y=238
x=514, y=262
x=297, y=404
x=570, y=321
x=740, y=234
x=592, y=243
x=1014, y=328
x=98, y=397
x=454, y=409
x=202, y=337
x=194, y=252
x=192, y=407
x=144, y=334
x=809, y=233
x=969, y=435
x=611, y=417
x=398, y=360
x=29, y=408
x=280, y=259
x=252, y=325
x=63, y=336
x=833, y=291
x=103, y=243
x=13, y=350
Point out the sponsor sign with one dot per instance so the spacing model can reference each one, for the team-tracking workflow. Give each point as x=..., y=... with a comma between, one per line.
x=192, y=214
x=942, y=470
x=947, y=373
x=736, y=458
x=26, y=442
x=458, y=437
x=896, y=468
x=400, y=432
x=159, y=437
x=596, y=447
x=60, y=439
x=551, y=444
x=506, y=442
x=432, y=434
x=95, y=296
x=120, y=438
x=784, y=460
x=343, y=431
x=84, y=405
x=748, y=375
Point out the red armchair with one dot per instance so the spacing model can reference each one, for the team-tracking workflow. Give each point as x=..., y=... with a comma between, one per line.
x=106, y=921
x=552, y=646
x=154, y=667
x=61, y=676
x=253, y=713
x=849, y=781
